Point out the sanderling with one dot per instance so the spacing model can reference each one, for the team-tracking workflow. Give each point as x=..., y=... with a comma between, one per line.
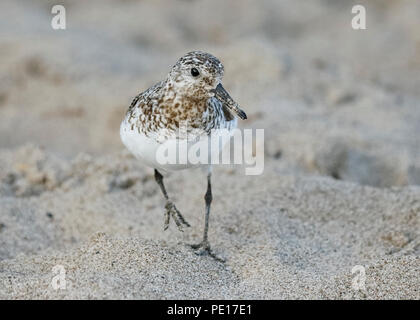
x=193, y=94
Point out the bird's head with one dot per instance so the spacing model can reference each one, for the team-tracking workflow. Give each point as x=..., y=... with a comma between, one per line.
x=198, y=75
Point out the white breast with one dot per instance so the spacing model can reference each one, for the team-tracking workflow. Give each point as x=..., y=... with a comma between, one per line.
x=154, y=148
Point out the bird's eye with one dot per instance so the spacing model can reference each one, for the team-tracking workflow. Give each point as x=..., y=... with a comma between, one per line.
x=194, y=72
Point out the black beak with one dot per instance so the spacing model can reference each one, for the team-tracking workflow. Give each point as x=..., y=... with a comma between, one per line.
x=221, y=94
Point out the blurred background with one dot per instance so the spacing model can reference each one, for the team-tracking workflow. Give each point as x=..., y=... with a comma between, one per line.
x=333, y=101
x=340, y=109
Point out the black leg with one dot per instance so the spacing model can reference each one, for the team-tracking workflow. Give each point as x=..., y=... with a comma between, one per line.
x=208, y=198
x=171, y=210
x=159, y=180
x=205, y=245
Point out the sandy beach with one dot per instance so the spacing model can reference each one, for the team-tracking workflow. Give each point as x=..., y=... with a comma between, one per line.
x=341, y=181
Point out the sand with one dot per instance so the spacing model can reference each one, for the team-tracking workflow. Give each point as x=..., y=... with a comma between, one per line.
x=341, y=182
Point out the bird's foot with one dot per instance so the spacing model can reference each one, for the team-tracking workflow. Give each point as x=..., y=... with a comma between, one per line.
x=171, y=210
x=203, y=248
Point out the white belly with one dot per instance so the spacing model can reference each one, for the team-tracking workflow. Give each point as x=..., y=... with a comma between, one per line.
x=172, y=154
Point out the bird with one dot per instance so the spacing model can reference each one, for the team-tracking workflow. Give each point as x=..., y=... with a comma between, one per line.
x=191, y=96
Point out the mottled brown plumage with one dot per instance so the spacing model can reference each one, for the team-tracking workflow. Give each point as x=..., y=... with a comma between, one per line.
x=176, y=100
